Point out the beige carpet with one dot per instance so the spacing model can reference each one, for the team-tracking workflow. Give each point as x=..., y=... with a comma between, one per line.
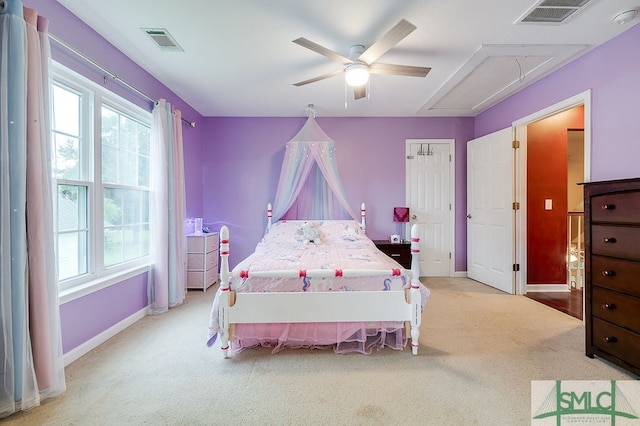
x=479, y=351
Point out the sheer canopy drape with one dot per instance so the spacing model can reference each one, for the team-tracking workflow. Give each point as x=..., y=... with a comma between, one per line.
x=167, y=280
x=30, y=341
x=309, y=186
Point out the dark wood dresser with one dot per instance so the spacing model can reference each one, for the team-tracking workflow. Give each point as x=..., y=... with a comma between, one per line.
x=400, y=252
x=612, y=281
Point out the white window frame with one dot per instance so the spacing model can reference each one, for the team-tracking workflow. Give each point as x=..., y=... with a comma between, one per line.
x=97, y=276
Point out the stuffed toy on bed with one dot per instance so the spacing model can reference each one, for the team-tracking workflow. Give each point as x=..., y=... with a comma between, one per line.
x=309, y=233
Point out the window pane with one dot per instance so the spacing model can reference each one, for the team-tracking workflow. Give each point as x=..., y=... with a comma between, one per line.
x=109, y=127
x=72, y=255
x=125, y=149
x=109, y=164
x=112, y=246
x=126, y=219
x=67, y=160
x=66, y=111
x=73, y=234
x=143, y=171
x=72, y=207
x=144, y=135
x=112, y=207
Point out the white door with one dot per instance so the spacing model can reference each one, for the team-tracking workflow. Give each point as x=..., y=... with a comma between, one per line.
x=429, y=200
x=491, y=217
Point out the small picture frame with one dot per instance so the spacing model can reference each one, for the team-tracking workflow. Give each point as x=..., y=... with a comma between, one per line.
x=395, y=239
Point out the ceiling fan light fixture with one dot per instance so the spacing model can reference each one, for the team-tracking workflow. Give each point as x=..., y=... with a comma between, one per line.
x=357, y=74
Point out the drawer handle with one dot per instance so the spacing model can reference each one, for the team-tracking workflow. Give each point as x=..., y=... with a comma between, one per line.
x=609, y=240
x=609, y=306
x=608, y=206
x=609, y=273
x=395, y=254
x=610, y=339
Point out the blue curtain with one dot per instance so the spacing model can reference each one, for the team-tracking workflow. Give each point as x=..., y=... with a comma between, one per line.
x=30, y=343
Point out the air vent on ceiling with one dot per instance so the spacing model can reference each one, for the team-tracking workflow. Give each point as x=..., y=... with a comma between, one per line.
x=163, y=39
x=552, y=11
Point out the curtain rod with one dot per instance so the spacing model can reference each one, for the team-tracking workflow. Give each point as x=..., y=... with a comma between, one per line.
x=109, y=73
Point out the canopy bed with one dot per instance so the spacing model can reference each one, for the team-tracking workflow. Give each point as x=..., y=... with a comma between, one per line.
x=315, y=280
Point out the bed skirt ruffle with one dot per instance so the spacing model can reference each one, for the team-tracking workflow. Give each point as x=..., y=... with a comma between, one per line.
x=343, y=338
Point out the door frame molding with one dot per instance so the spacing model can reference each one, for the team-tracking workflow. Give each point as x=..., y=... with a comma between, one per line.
x=452, y=192
x=520, y=132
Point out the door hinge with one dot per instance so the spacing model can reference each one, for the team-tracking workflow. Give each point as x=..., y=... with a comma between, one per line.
x=516, y=205
x=449, y=157
x=516, y=267
x=515, y=144
x=449, y=206
x=449, y=255
x=409, y=157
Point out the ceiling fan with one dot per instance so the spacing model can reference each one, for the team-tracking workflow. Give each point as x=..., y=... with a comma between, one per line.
x=361, y=62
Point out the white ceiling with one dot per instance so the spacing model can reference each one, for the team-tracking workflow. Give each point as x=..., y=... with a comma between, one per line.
x=239, y=59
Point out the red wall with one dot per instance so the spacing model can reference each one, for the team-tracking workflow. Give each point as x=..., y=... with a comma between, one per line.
x=547, y=179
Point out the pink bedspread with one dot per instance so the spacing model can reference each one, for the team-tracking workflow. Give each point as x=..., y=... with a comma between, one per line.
x=337, y=246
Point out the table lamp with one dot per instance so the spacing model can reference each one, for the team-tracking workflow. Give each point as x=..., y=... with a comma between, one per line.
x=400, y=216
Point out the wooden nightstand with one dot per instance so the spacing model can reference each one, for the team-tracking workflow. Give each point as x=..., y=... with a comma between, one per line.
x=400, y=252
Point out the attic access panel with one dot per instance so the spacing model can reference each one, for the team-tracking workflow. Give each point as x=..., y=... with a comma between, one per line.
x=493, y=73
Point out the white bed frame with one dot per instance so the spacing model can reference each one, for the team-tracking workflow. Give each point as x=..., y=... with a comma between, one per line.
x=338, y=306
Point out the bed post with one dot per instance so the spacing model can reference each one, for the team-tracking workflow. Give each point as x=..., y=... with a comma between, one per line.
x=225, y=290
x=363, y=214
x=416, y=311
x=269, y=217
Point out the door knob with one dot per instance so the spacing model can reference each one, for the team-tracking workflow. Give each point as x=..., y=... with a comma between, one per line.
x=469, y=216
x=414, y=217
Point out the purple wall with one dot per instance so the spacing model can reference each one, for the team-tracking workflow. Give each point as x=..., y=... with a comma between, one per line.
x=612, y=73
x=88, y=316
x=242, y=158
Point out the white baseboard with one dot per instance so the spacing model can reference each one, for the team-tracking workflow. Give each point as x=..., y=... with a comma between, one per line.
x=94, y=342
x=460, y=274
x=532, y=288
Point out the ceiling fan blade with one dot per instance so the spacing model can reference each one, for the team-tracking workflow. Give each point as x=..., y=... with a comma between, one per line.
x=360, y=92
x=322, y=50
x=318, y=78
x=390, y=39
x=391, y=69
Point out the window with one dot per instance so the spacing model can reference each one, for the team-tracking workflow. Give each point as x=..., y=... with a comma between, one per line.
x=101, y=167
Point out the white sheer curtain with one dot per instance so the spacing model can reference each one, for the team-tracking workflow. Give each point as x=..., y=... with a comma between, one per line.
x=309, y=186
x=167, y=279
x=30, y=341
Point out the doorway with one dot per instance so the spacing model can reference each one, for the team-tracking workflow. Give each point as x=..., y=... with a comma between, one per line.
x=557, y=160
x=582, y=100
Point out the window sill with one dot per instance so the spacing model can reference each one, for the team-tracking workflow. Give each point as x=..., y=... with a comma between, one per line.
x=76, y=292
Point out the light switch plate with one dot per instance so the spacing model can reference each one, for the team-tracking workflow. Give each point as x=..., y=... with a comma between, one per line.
x=548, y=204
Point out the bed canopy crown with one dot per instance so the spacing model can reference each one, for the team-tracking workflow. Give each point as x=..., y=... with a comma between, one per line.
x=309, y=186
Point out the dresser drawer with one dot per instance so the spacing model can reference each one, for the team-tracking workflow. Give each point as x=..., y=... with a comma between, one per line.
x=616, y=308
x=616, y=241
x=202, y=243
x=616, y=274
x=202, y=279
x=202, y=261
x=401, y=253
x=617, y=341
x=616, y=207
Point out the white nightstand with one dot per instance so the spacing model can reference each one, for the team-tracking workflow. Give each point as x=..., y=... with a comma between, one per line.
x=202, y=260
